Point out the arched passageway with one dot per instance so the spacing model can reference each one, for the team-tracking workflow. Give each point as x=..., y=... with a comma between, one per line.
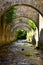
x=21, y=12
x=29, y=5
x=20, y=19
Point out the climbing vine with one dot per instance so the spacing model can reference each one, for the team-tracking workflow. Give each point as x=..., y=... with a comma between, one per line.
x=11, y=14
x=32, y=24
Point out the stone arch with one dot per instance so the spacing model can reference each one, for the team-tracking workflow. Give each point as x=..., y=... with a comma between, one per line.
x=26, y=5
x=37, y=4
x=21, y=5
x=18, y=17
x=24, y=23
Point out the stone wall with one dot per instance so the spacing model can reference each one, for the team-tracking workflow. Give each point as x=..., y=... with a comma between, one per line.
x=40, y=31
x=25, y=8
x=5, y=4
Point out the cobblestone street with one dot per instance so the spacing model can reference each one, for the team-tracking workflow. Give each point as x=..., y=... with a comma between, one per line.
x=20, y=54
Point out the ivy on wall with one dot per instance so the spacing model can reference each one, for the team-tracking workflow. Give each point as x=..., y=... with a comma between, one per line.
x=11, y=14
x=32, y=24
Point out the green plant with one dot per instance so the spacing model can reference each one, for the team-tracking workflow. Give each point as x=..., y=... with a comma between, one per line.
x=32, y=24
x=10, y=14
x=22, y=34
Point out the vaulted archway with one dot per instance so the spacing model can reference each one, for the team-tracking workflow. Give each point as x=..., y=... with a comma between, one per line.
x=28, y=6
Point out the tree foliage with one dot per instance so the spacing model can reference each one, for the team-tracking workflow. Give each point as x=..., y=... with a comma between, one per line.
x=22, y=34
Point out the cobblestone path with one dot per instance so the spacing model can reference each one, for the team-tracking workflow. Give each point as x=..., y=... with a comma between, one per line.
x=20, y=53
